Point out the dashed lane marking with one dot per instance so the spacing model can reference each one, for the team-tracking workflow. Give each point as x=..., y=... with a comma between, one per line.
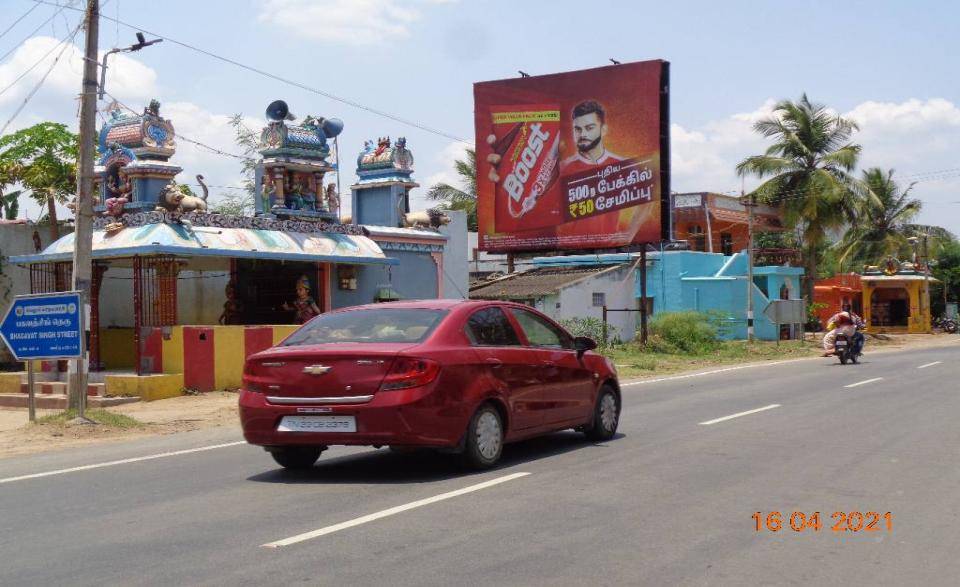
x=738, y=414
x=859, y=383
x=390, y=512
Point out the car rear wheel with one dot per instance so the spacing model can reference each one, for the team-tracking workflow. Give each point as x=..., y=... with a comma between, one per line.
x=484, y=442
x=606, y=415
x=296, y=457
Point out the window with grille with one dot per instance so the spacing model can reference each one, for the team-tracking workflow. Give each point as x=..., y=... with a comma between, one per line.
x=599, y=299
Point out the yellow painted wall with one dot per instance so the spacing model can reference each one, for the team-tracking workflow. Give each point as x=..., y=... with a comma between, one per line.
x=919, y=321
x=116, y=348
x=173, y=351
x=281, y=332
x=10, y=382
x=228, y=356
x=147, y=387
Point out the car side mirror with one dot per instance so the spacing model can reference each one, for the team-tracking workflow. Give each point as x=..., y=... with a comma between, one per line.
x=583, y=344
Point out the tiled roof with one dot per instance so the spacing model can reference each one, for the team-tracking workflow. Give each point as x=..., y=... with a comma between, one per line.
x=535, y=282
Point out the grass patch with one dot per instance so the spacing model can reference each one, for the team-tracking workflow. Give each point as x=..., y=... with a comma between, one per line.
x=632, y=360
x=104, y=417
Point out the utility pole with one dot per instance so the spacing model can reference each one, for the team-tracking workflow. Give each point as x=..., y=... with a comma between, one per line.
x=83, y=236
x=750, y=204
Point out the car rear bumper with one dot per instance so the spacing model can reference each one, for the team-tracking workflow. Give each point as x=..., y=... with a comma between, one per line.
x=409, y=417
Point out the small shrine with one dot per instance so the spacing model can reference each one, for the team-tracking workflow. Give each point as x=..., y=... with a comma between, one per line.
x=181, y=294
x=290, y=178
x=896, y=297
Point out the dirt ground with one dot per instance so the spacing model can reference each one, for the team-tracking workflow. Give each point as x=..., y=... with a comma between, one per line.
x=169, y=416
x=219, y=408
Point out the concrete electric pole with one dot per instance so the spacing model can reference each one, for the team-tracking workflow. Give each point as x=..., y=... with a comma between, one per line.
x=749, y=203
x=83, y=235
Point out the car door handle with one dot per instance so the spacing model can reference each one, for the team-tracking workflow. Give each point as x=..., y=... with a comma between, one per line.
x=493, y=362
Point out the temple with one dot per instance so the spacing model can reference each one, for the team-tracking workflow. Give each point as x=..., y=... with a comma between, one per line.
x=174, y=280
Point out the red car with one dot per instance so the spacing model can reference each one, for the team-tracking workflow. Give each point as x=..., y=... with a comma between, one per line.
x=465, y=376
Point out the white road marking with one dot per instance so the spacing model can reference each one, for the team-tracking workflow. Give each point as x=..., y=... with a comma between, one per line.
x=714, y=372
x=389, y=512
x=859, y=383
x=120, y=462
x=737, y=415
x=929, y=365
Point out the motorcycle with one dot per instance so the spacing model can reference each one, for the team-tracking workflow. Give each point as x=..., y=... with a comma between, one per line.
x=848, y=348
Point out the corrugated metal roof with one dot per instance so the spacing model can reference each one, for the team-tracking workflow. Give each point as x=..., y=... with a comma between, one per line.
x=536, y=282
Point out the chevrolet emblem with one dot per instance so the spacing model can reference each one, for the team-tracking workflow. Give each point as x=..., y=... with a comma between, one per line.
x=316, y=369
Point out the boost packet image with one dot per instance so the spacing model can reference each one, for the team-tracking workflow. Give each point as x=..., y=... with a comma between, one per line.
x=524, y=166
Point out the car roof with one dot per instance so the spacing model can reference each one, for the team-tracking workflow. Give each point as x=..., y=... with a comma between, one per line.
x=443, y=304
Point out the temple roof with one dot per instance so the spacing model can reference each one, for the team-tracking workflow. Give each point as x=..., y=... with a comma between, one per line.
x=208, y=241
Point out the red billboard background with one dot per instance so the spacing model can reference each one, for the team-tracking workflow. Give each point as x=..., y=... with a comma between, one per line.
x=548, y=179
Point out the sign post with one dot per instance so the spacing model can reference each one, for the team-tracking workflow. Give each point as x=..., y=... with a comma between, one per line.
x=44, y=327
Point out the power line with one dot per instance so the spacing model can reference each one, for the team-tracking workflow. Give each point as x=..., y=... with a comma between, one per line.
x=290, y=82
x=42, y=79
x=37, y=62
x=42, y=24
x=16, y=22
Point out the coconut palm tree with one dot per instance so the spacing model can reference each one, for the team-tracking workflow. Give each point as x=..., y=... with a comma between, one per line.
x=882, y=225
x=807, y=172
x=460, y=199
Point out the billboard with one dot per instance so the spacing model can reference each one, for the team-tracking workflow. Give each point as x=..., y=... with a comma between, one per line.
x=575, y=160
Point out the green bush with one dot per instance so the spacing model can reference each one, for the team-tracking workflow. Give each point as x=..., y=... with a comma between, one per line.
x=690, y=333
x=592, y=327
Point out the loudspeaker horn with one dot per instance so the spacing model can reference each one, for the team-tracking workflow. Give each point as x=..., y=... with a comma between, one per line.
x=332, y=127
x=278, y=110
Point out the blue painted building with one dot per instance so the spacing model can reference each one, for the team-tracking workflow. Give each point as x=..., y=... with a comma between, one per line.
x=712, y=282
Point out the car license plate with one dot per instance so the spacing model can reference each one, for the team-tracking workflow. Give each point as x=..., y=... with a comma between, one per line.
x=318, y=424
x=841, y=343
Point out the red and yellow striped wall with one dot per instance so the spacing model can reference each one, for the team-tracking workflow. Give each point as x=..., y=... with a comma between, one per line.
x=209, y=357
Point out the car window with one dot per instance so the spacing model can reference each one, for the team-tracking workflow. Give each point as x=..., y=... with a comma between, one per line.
x=541, y=332
x=491, y=327
x=368, y=325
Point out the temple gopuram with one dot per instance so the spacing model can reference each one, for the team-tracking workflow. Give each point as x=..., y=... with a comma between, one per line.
x=181, y=294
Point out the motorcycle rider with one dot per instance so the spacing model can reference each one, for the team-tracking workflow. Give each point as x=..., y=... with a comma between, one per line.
x=842, y=323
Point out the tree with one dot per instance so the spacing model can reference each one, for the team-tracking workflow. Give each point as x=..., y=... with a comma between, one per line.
x=9, y=202
x=46, y=158
x=808, y=169
x=464, y=199
x=882, y=227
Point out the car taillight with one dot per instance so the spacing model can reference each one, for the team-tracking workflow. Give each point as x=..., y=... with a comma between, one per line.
x=252, y=385
x=409, y=372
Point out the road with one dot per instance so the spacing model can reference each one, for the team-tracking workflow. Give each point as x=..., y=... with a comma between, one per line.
x=669, y=501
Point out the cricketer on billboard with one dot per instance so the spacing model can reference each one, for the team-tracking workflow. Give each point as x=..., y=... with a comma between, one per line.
x=572, y=160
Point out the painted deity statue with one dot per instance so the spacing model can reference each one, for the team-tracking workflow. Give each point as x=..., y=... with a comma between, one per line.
x=304, y=305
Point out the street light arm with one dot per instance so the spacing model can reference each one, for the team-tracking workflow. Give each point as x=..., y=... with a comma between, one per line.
x=140, y=44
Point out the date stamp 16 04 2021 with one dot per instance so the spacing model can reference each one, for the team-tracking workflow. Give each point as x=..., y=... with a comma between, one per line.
x=838, y=522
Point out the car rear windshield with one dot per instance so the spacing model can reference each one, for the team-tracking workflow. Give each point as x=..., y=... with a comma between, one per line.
x=378, y=325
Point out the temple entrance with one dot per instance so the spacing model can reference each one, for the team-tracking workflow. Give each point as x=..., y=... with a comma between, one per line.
x=890, y=306
x=264, y=287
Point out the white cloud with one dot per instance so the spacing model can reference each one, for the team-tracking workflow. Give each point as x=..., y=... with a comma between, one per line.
x=443, y=163
x=354, y=22
x=914, y=137
x=127, y=78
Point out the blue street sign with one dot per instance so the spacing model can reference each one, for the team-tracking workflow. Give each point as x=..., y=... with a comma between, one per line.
x=44, y=326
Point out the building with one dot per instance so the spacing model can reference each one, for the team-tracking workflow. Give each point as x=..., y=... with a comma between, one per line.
x=483, y=265
x=832, y=294
x=180, y=296
x=578, y=286
x=717, y=284
x=896, y=298
x=717, y=223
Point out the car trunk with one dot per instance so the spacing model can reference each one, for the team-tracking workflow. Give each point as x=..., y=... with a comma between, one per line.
x=323, y=371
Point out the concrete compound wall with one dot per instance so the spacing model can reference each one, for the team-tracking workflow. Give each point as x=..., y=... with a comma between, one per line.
x=456, y=272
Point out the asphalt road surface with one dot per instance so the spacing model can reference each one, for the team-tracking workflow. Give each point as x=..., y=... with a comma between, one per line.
x=669, y=501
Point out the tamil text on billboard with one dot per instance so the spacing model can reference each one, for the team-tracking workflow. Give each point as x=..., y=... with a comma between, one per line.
x=574, y=160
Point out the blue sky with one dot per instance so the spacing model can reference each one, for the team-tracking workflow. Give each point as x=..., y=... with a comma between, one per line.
x=889, y=65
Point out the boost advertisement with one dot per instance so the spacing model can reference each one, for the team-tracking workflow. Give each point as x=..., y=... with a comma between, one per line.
x=574, y=160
